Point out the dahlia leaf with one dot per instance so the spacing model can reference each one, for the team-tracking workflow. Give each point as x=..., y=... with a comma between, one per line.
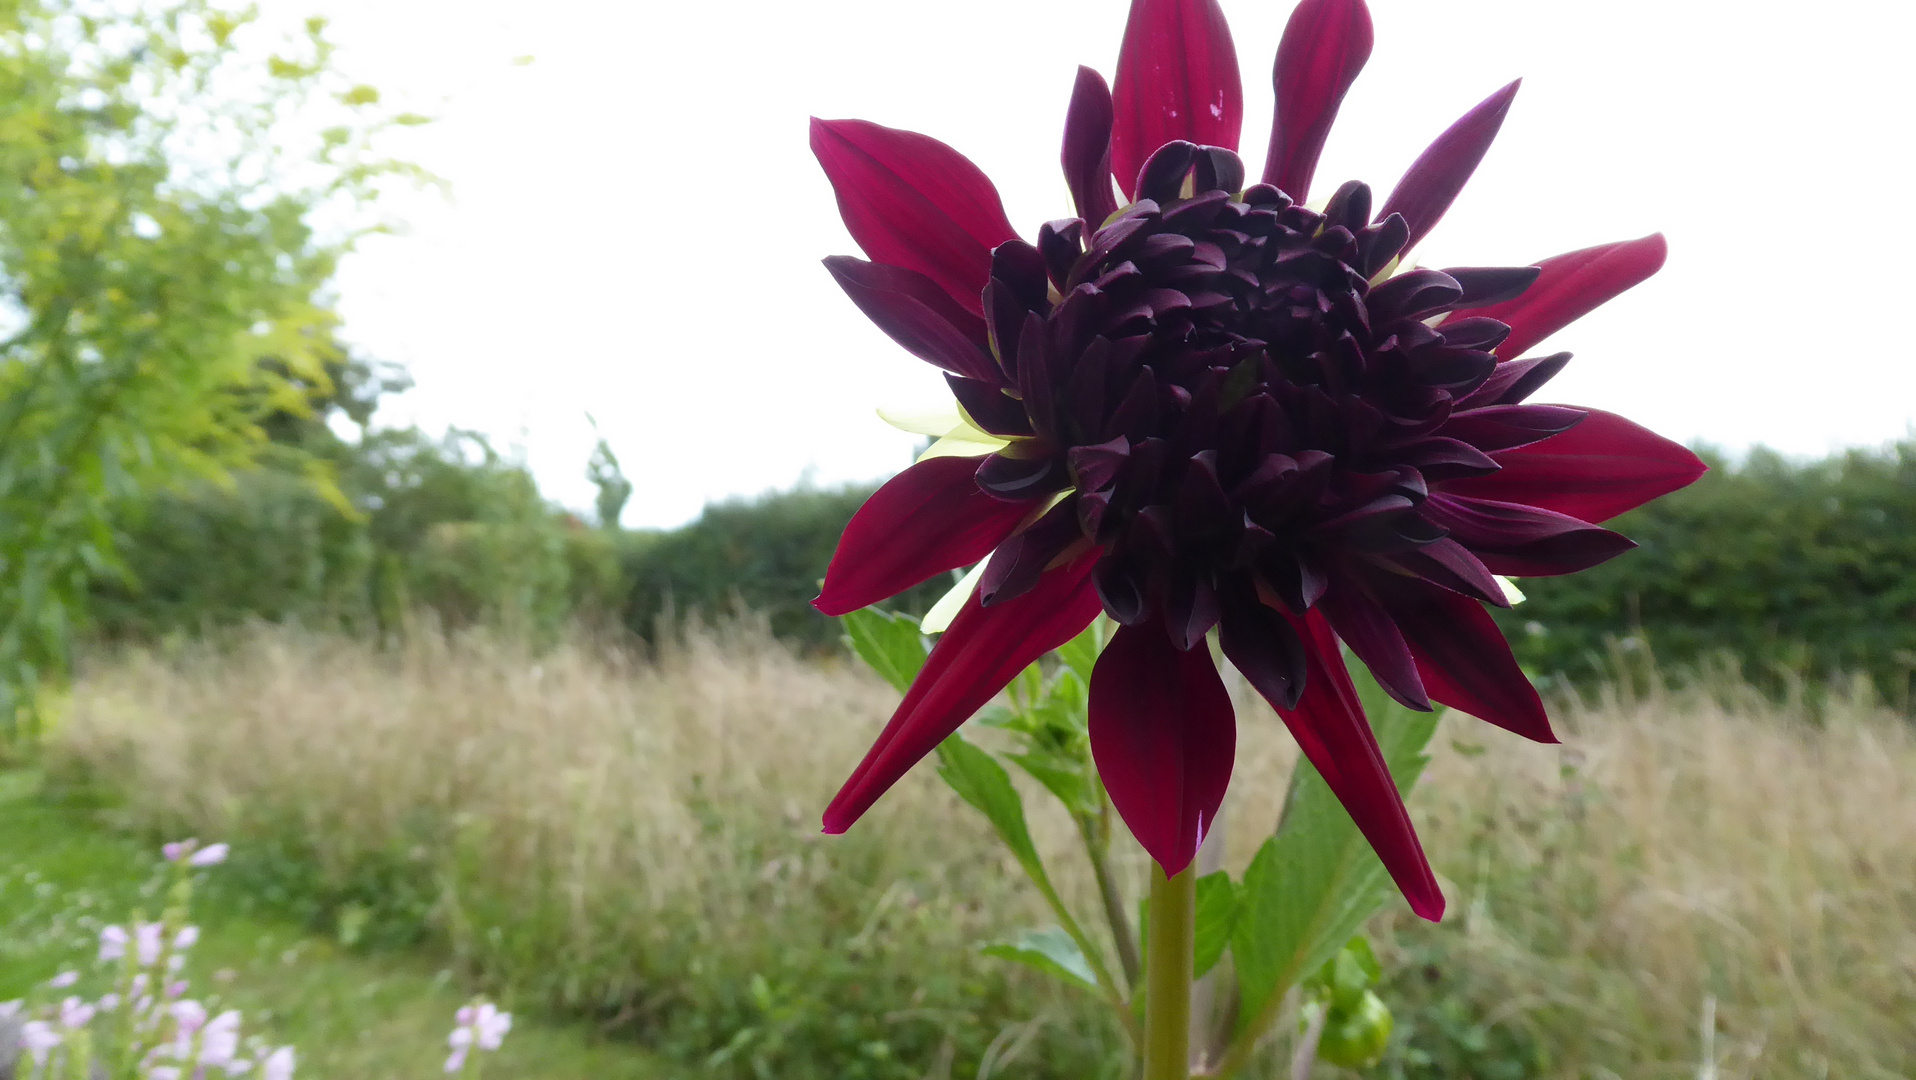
x=1177, y=79
x=913, y=202
x=1312, y=885
x=979, y=780
x=890, y=643
x=1051, y=951
x=1325, y=45
x=1217, y=911
x=924, y=521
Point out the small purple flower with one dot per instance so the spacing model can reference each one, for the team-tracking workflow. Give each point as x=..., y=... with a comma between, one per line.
x=113, y=941
x=190, y=1016
x=64, y=980
x=480, y=1026
x=178, y=848
x=75, y=1014
x=186, y=938
x=278, y=1065
x=149, y=940
x=491, y=1027
x=109, y=1003
x=38, y=1038
x=213, y=855
x=219, y=1042
x=11, y=1009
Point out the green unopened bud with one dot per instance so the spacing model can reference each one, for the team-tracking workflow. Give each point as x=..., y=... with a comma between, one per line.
x=1356, y=1038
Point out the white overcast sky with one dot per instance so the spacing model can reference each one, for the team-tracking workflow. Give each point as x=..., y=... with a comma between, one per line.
x=635, y=221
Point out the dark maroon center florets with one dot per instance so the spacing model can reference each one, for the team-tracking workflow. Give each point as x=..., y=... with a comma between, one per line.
x=1234, y=398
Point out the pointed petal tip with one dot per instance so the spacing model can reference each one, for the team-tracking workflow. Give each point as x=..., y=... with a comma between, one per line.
x=1429, y=907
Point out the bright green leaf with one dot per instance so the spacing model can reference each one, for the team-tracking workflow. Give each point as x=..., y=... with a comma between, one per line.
x=1217, y=908
x=1311, y=886
x=979, y=780
x=889, y=643
x=1051, y=951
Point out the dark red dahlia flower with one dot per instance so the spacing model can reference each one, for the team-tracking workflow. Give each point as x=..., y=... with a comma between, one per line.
x=1220, y=409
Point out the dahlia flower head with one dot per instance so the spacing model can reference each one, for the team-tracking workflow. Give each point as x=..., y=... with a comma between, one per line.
x=1203, y=404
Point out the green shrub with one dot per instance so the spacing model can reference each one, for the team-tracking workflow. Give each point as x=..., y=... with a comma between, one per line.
x=1791, y=569
x=766, y=555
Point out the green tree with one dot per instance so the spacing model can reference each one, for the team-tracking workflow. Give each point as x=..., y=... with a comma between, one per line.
x=163, y=282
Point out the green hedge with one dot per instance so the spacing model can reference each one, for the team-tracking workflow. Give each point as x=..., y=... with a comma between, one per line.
x=1791, y=569
x=766, y=554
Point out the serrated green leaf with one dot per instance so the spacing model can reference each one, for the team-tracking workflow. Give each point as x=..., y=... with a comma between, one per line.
x=1051, y=951
x=1312, y=885
x=889, y=643
x=1062, y=779
x=1080, y=654
x=979, y=780
x=1217, y=908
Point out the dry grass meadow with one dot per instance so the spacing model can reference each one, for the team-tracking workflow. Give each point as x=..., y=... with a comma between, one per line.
x=1699, y=883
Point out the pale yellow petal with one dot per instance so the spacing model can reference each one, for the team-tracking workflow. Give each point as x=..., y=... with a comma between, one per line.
x=927, y=420
x=938, y=619
x=1511, y=592
x=964, y=441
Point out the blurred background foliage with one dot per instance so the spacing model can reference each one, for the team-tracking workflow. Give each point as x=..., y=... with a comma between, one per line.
x=166, y=243
x=1793, y=571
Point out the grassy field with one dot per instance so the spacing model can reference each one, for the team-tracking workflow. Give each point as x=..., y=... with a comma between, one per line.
x=1697, y=883
x=377, y=1018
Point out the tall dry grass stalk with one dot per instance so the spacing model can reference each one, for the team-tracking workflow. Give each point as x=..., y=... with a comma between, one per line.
x=635, y=838
x=591, y=825
x=1685, y=852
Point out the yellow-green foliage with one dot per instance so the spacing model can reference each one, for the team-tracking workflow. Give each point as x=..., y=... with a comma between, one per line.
x=638, y=841
x=161, y=285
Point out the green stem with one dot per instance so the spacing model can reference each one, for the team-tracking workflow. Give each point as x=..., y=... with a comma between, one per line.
x=1113, y=993
x=1097, y=848
x=1170, y=956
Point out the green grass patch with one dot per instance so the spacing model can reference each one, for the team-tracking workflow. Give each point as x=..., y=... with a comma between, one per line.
x=367, y=1017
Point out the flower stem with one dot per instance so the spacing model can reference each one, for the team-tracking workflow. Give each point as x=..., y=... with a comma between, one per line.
x=1170, y=947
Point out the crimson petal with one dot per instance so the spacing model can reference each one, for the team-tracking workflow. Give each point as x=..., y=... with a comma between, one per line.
x=919, y=314
x=1326, y=44
x=1164, y=737
x=1177, y=79
x=1465, y=661
x=1087, y=149
x=1571, y=286
x=1593, y=472
x=911, y=201
x=981, y=652
x=1440, y=172
x=928, y=519
x=1330, y=728
x=1263, y=646
x=1522, y=541
x=1367, y=628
